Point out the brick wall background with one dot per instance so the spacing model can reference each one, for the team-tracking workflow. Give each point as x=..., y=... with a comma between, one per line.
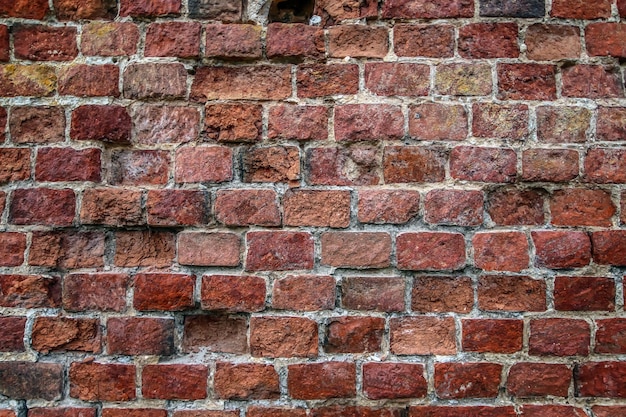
x=415, y=208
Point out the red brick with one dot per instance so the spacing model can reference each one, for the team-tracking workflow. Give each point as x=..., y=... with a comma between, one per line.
x=3, y=199
x=492, y=335
x=304, y=293
x=357, y=122
x=430, y=41
x=552, y=42
x=149, y=8
x=581, y=207
x=140, y=336
x=318, y=208
x=622, y=205
x=539, y=379
x=15, y=164
x=233, y=122
x=610, y=336
x=298, y=122
x=109, y=39
x=30, y=291
x=611, y=123
x=276, y=337
x=266, y=82
x=67, y=249
x=31, y=380
x=177, y=207
x=430, y=251
x=318, y=381
x=621, y=8
x=233, y=293
x=561, y=249
x=66, y=334
x=373, y=293
x=90, y=9
x=513, y=207
x=388, y=206
x=27, y=80
x=205, y=413
x=563, y=124
x=437, y=121
x=111, y=206
x=427, y=9
x=605, y=166
x=100, y=292
x=461, y=411
x=272, y=164
x=609, y=411
x=592, y=81
x=91, y=381
x=254, y=411
x=528, y=410
x=503, y=121
x=144, y=248
x=105, y=123
x=422, y=335
x=357, y=41
x=442, y=294
x=356, y=249
x=215, y=333
x=174, y=382
x=229, y=41
x=601, y=379
x=42, y=124
x=354, y=335
x=209, y=249
x=467, y=380
x=4, y=43
x=355, y=411
x=333, y=12
x=179, y=39
x=405, y=164
x=511, y=293
x=247, y=207
x=12, y=249
x=12, y=337
x=580, y=9
x=295, y=40
x=319, y=80
x=559, y=337
x=10, y=413
x=397, y=79
x=356, y=165
x=608, y=247
x=488, y=40
x=28, y=9
x=525, y=8
x=45, y=43
x=501, y=251
x=279, y=251
x=584, y=294
x=133, y=412
x=163, y=292
x=472, y=163
x=246, y=381
x=61, y=412
x=89, y=81
x=393, y=380
x=463, y=79
x=155, y=81
x=59, y=164
x=224, y=10
x=52, y=207
x=139, y=167
x=157, y=124
x=204, y=164
x=459, y=207
x=526, y=82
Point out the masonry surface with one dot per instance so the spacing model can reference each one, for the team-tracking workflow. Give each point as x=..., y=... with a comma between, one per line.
x=413, y=208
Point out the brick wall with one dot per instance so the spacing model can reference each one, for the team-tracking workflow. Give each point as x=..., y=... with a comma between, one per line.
x=416, y=208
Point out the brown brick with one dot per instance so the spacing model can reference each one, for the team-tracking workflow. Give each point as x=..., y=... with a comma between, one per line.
x=174, y=382
x=105, y=123
x=89, y=9
x=513, y=207
x=45, y=124
x=580, y=9
x=406, y=164
x=326, y=380
x=111, y=206
x=467, y=380
x=393, y=380
x=584, y=294
x=437, y=121
x=239, y=207
x=356, y=249
x=246, y=381
x=364, y=122
x=552, y=42
x=397, y=79
x=430, y=41
x=526, y=82
x=463, y=79
x=149, y=8
x=608, y=247
x=155, y=81
x=304, y=293
x=209, y=249
x=611, y=123
x=373, y=293
x=163, y=292
x=560, y=337
x=581, y=207
x=357, y=41
x=458, y=207
x=539, y=379
x=592, y=81
x=611, y=336
x=604, y=165
x=422, y=335
x=267, y=82
x=67, y=249
x=109, y=39
x=215, y=333
x=28, y=9
x=204, y=164
x=156, y=124
x=430, y=251
x=488, y=40
x=140, y=336
x=27, y=80
x=288, y=337
x=177, y=207
x=298, y=122
x=66, y=334
x=30, y=291
x=317, y=208
x=319, y=80
x=473, y=163
x=230, y=41
x=15, y=164
x=100, y=292
x=89, y=80
x=561, y=249
x=139, y=167
x=91, y=381
x=503, y=121
x=354, y=335
x=31, y=380
x=427, y=9
x=356, y=165
x=272, y=164
x=388, y=206
x=224, y=10
x=144, y=248
x=44, y=43
x=501, y=251
x=492, y=335
x=232, y=293
x=179, y=39
x=440, y=294
x=12, y=337
x=233, y=122
x=294, y=40
x=511, y=293
x=46, y=206
x=279, y=251
x=563, y=124
x=12, y=249
x=59, y=164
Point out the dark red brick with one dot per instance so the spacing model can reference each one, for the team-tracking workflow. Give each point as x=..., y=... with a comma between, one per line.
x=139, y=167
x=437, y=121
x=109, y=39
x=30, y=291
x=501, y=251
x=605, y=166
x=492, y=335
x=232, y=293
x=608, y=247
x=529, y=410
x=239, y=207
x=317, y=208
x=354, y=334
x=422, y=335
x=304, y=293
x=144, y=248
x=66, y=334
x=91, y=381
x=177, y=207
x=488, y=40
x=89, y=81
x=397, y=79
x=406, y=164
x=41, y=124
x=12, y=337
x=12, y=249
x=46, y=206
x=584, y=294
x=427, y=9
x=4, y=43
x=60, y=164
x=562, y=249
x=442, y=294
x=105, y=123
x=288, y=337
x=473, y=163
x=373, y=293
x=319, y=80
x=592, y=81
x=326, y=380
x=45, y=43
x=601, y=379
x=611, y=336
x=580, y=9
x=356, y=165
x=140, y=336
x=31, y=380
x=246, y=381
x=458, y=207
x=430, y=41
x=526, y=82
x=356, y=249
x=539, y=379
x=294, y=40
x=358, y=41
x=559, y=337
x=215, y=333
x=179, y=39
x=430, y=251
x=511, y=293
x=513, y=207
x=100, y=292
x=174, y=382
x=610, y=411
x=163, y=292
x=467, y=380
x=393, y=380
x=461, y=411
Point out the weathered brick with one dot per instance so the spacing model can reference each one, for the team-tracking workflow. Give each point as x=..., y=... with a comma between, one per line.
x=317, y=208
x=246, y=381
x=514, y=207
x=279, y=251
x=12, y=337
x=229, y=41
x=209, y=249
x=204, y=164
x=12, y=249
x=89, y=80
x=501, y=251
x=149, y=8
x=563, y=124
x=504, y=121
x=298, y=122
x=604, y=165
x=91, y=381
x=531, y=410
x=608, y=411
x=430, y=251
x=157, y=124
x=539, y=379
x=67, y=249
x=427, y=9
x=179, y=39
x=31, y=380
x=511, y=293
x=140, y=336
x=111, y=206
x=319, y=80
x=254, y=411
x=467, y=380
x=559, y=337
x=59, y=164
x=42, y=124
x=89, y=9
x=442, y=294
x=295, y=40
x=356, y=165
x=357, y=41
x=581, y=207
x=611, y=336
x=225, y=10
x=174, y=382
x=233, y=122
x=526, y=82
x=30, y=291
x=283, y=337
x=139, y=167
x=406, y=164
x=45, y=43
x=100, y=292
x=437, y=121
x=397, y=79
x=611, y=123
x=66, y=334
x=15, y=164
x=61, y=412
x=4, y=43
x=601, y=379
x=461, y=411
x=155, y=81
x=393, y=380
x=592, y=81
x=144, y=248
x=363, y=122
x=388, y=206
x=584, y=294
x=46, y=206
x=373, y=293
x=459, y=207
x=508, y=8
x=133, y=412
x=552, y=42
x=215, y=333
x=354, y=335
x=177, y=207
x=430, y=41
x=272, y=164
x=621, y=8
x=232, y=293
x=333, y=12
x=304, y=293
x=354, y=411
x=163, y=292
x=326, y=380
x=356, y=249
x=267, y=82
x=109, y=39
x=422, y=335
x=463, y=79
x=239, y=207
x=488, y=40
x=552, y=165
x=580, y=9
x=608, y=247
x=27, y=80
x=561, y=249
x=28, y=9
x=473, y=163
x=105, y=123
x=492, y=335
